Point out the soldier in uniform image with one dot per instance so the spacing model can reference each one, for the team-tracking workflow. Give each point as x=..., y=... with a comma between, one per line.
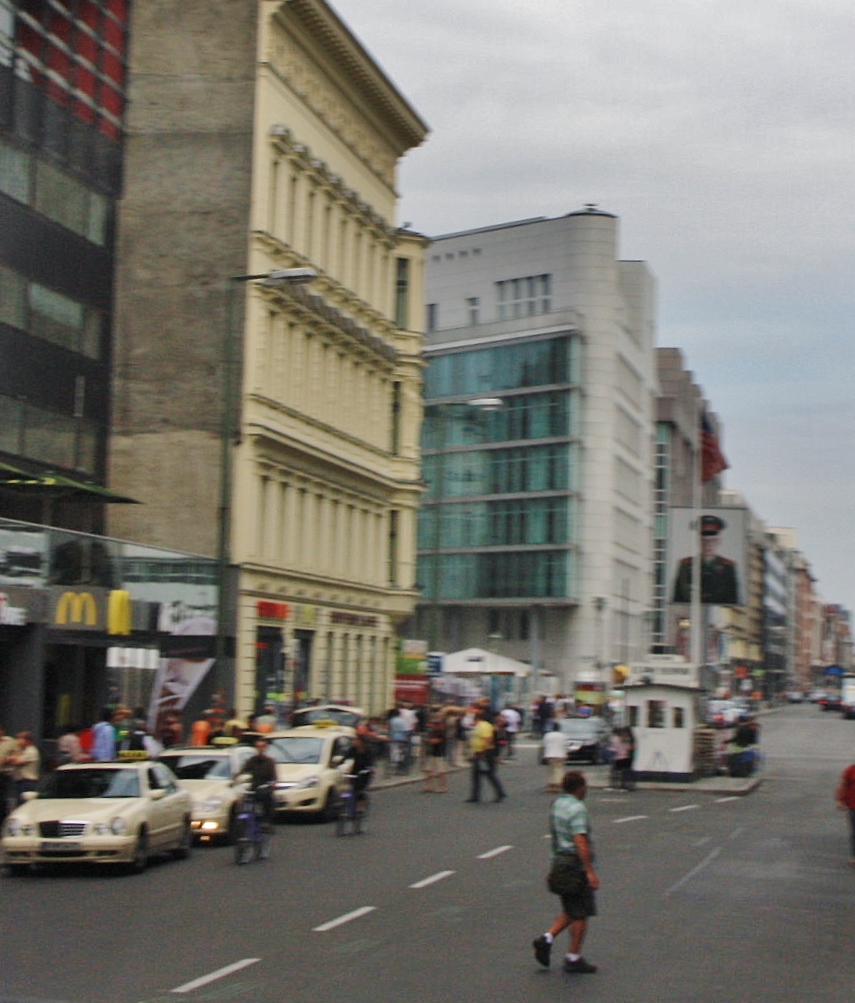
x=719, y=586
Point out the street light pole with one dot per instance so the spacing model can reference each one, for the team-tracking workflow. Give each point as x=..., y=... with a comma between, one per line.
x=277, y=278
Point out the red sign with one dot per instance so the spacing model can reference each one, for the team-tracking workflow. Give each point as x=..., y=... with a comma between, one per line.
x=271, y=610
x=415, y=689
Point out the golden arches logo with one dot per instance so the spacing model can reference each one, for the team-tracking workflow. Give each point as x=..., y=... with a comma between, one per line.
x=119, y=612
x=76, y=607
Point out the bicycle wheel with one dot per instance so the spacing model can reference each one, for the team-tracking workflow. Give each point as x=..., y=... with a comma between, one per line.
x=341, y=818
x=361, y=816
x=243, y=845
x=265, y=837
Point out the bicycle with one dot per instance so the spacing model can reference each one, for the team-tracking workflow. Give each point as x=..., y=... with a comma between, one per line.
x=352, y=808
x=254, y=831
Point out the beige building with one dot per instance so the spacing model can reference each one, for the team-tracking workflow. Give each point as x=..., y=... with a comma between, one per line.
x=266, y=141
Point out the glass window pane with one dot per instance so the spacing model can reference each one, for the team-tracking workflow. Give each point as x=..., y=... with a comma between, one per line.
x=87, y=448
x=61, y=198
x=49, y=437
x=55, y=317
x=13, y=290
x=11, y=415
x=15, y=173
x=99, y=208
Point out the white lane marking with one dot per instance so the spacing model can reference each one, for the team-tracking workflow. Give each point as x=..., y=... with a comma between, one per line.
x=732, y=797
x=346, y=918
x=702, y=842
x=629, y=818
x=685, y=807
x=547, y=836
x=708, y=859
x=737, y=832
x=434, y=877
x=220, y=973
x=493, y=853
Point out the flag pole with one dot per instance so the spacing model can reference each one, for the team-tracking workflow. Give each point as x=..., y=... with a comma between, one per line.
x=696, y=633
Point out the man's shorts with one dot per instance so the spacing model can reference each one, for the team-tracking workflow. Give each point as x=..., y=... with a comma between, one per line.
x=581, y=902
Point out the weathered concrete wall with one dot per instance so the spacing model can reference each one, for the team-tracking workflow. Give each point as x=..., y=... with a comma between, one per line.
x=181, y=232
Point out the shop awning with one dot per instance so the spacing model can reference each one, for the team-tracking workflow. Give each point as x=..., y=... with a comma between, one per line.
x=56, y=485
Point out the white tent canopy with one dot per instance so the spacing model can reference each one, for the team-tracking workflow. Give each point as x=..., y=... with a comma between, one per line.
x=477, y=662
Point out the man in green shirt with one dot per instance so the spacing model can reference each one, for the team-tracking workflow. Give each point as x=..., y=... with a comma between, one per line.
x=572, y=876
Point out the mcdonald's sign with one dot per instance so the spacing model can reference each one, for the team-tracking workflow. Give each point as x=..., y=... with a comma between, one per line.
x=76, y=608
x=119, y=612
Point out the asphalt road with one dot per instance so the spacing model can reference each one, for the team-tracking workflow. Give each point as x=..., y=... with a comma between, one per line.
x=704, y=898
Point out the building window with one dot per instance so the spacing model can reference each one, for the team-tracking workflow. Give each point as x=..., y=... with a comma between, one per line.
x=432, y=318
x=472, y=304
x=525, y=297
x=393, y=547
x=656, y=713
x=395, y=444
x=50, y=315
x=402, y=292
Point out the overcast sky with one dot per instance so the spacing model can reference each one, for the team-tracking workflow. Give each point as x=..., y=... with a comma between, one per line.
x=722, y=134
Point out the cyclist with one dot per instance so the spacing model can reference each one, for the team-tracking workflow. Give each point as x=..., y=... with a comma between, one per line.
x=262, y=775
x=363, y=764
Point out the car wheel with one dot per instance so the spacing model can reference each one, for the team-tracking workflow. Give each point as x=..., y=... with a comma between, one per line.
x=17, y=870
x=140, y=858
x=185, y=846
x=232, y=828
x=330, y=810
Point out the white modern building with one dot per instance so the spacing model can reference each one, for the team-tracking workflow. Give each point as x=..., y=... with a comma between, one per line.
x=535, y=532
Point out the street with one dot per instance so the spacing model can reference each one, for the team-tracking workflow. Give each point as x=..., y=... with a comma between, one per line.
x=704, y=897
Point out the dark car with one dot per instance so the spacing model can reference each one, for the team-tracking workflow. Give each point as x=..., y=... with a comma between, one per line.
x=587, y=738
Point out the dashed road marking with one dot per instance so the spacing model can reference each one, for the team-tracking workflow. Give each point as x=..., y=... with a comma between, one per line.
x=732, y=797
x=708, y=859
x=494, y=852
x=220, y=973
x=685, y=807
x=346, y=918
x=629, y=818
x=432, y=879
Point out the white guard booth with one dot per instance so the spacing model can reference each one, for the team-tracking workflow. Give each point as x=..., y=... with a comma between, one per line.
x=662, y=706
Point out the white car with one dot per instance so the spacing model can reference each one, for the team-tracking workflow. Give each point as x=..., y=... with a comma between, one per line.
x=210, y=775
x=102, y=813
x=311, y=766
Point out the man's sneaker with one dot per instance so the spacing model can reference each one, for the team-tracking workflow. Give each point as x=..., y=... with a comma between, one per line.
x=542, y=950
x=579, y=967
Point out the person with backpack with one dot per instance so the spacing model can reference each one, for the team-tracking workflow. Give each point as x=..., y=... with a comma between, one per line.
x=845, y=797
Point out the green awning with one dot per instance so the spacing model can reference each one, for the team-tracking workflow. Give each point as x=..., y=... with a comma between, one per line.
x=56, y=485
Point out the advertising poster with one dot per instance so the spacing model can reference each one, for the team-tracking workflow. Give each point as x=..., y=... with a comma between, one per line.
x=720, y=534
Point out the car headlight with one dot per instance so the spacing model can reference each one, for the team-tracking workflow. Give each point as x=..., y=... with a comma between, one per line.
x=13, y=827
x=309, y=782
x=212, y=804
x=118, y=826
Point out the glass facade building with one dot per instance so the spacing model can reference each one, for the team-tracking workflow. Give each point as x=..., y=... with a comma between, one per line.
x=499, y=513
x=63, y=79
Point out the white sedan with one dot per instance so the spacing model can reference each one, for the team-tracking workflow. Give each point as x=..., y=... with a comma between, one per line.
x=103, y=813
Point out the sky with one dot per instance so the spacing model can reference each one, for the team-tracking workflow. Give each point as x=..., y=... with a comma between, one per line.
x=722, y=134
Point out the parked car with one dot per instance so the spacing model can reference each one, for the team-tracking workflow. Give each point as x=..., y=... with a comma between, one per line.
x=816, y=695
x=795, y=696
x=587, y=739
x=326, y=715
x=101, y=813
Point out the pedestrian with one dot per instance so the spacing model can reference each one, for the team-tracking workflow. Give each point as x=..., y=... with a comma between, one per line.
x=435, y=752
x=482, y=746
x=571, y=876
x=845, y=797
x=68, y=747
x=26, y=764
x=235, y=726
x=200, y=729
x=513, y=723
x=8, y=746
x=104, y=738
x=266, y=722
x=554, y=755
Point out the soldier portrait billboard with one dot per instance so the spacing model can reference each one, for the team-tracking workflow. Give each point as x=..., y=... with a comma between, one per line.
x=719, y=535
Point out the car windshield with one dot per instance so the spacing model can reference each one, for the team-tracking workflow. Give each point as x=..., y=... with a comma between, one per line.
x=295, y=750
x=581, y=729
x=315, y=714
x=92, y=783
x=198, y=767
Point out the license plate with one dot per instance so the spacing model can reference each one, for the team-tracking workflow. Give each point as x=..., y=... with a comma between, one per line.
x=58, y=847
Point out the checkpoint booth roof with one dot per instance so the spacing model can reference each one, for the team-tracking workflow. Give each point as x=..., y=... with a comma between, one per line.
x=478, y=662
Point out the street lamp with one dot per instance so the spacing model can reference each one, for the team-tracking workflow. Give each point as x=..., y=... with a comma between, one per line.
x=280, y=278
x=442, y=410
